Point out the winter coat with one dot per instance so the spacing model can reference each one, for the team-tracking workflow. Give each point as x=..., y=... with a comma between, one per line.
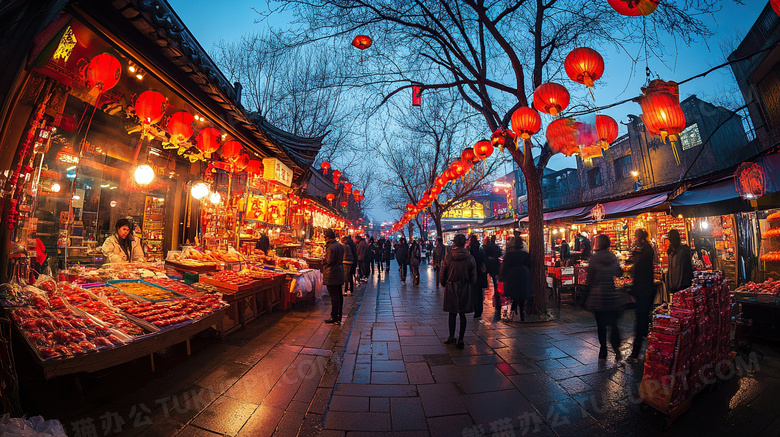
x=492, y=253
x=438, y=254
x=387, y=250
x=349, y=254
x=565, y=251
x=585, y=246
x=458, y=277
x=332, y=268
x=602, y=268
x=376, y=251
x=402, y=253
x=415, y=255
x=480, y=259
x=680, y=273
x=115, y=254
x=263, y=244
x=643, y=257
x=362, y=251
x=516, y=275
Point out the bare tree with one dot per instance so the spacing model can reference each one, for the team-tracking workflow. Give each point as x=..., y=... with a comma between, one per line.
x=494, y=53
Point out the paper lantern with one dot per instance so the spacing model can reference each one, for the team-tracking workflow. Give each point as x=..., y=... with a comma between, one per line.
x=347, y=187
x=661, y=111
x=502, y=138
x=634, y=8
x=562, y=136
x=325, y=166
x=103, y=72
x=362, y=42
x=459, y=167
x=440, y=181
x=336, y=174
x=344, y=203
x=208, y=140
x=607, y=130
x=467, y=155
x=143, y=174
x=526, y=122
x=416, y=95
x=255, y=167
x=750, y=181
x=150, y=106
x=356, y=195
x=775, y=5
x=180, y=127
x=232, y=150
x=435, y=191
x=551, y=98
x=242, y=162
x=483, y=149
x=584, y=65
x=330, y=197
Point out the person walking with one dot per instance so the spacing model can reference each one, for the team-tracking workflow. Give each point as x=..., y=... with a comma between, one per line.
x=438, y=256
x=564, y=252
x=353, y=270
x=603, y=299
x=479, y=256
x=643, y=287
x=349, y=263
x=516, y=276
x=333, y=275
x=493, y=264
x=363, y=253
x=458, y=277
x=376, y=250
x=680, y=273
x=387, y=252
x=415, y=259
x=402, y=257
x=371, y=255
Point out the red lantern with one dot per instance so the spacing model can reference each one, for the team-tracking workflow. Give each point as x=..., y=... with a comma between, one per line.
x=232, y=150
x=587, y=153
x=501, y=138
x=750, y=181
x=775, y=5
x=362, y=42
x=330, y=197
x=242, y=162
x=551, y=98
x=347, y=187
x=634, y=8
x=467, y=155
x=562, y=136
x=661, y=111
x=208, y=140
x=483, y=149
x=607, y=129
x=526, y=122
x=336, y=174
x=150, y=106
x=435, y=191
x=409, y=206
x=255, y=168
x=584, y=65
x=103, y=72
x=356, y=194
x=459, y=167
x=180, y=127
x=344, y=203
x=325, y=166
x=440, y=182
x=416, y=95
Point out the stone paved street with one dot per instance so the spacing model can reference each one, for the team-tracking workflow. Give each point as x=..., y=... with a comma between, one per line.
x=386, y=371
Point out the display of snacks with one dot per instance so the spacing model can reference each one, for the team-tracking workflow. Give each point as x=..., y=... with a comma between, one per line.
x=621, y=282
x=196, y=254
x=764, y=292
x=774, y=217
x=233, y=278
x=770, y=256
x=167, y=314
x=291, y=264
x=144, y=290
x=117, y=298
x=772, y=233
x=175, y=286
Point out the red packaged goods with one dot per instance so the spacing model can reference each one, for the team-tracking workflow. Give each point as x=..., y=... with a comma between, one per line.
x=233, y=278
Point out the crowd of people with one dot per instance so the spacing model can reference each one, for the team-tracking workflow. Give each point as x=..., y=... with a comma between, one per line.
x=464, y=269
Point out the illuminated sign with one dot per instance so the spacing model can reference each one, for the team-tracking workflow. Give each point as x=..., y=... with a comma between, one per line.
x=275, y=170
x=68, y=156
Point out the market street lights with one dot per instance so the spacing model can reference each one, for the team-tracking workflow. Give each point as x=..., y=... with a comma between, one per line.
x=637, y=180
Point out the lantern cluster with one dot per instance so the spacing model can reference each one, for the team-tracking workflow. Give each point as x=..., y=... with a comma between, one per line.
x=482, y=149
x=338, y=184
x=314, y=213
x=662, y=113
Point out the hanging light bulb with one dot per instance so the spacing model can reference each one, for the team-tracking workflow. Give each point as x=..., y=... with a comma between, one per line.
x=55, y=188
x=215, y=198
x=199, y=190
x=112, y=203
x=144, y=174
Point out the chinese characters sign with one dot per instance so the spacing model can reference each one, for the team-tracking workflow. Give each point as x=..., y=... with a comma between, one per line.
x=275, y=170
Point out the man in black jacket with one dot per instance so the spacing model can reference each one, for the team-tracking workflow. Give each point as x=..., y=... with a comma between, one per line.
x=643, y=288
x=333, y=275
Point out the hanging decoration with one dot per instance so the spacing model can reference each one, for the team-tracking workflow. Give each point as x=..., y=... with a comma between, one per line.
x=347, y=187
x=180, y=129
x=584, y=65
x=483, y=149
x=750, y=181
x=362, y=42
x=502, y=138
x=242, y=162
x=103, y=72
x=255, y=167
x=551, y=98
x=526, y=122
x=634, y=8
x=330, y=197
x=149, y=107
x=597, y=213
x=661, y=111
x=607, y=130
x=416, y=95
x=208, y=141
x=344, y=203
x=467, y=155
x=232, y=150
x=562, y=136
x=325, y=166
x=775, y=5
x=356, y=195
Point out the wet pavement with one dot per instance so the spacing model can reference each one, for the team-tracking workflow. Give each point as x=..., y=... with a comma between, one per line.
x=386, y=371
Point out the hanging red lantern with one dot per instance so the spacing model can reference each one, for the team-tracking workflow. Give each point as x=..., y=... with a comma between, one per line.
x=416, y=95
x=562, y=136
x=362, y=42
x=435, y=191
x=325, y=166
x=103, y=72
x=232, y=150
x=661, y=111
x=775, y=5
x=208, y=140
x=440, y=181
x=607, y=129
x=180, y=127
x=336, y=174
x=551, y=98
x=356, y=195
x=242, y=162
x=450, y=174
x=634, y=8
x=584, y=65
x=255, y=168
x=750, y=181
x=483, y=149
x=409, y=206
x=150, y=106
x=526, y=122
x=467, y=155
x=344, y=203
x=502, y=138
x=361, y=198
x=459, y=167
x=347, y=187
x=330, y=197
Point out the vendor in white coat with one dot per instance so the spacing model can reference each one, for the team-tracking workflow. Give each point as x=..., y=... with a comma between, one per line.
x=123, y=246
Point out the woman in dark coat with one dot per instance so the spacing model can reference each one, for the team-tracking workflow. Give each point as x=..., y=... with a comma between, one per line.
x=643, y=287
x=493, y=264
x=415, y=259
x=349, y=263
x=402, y=257
x=377, y=251
x=387, y=250
x=516, y=276
x=458, y=277
x=680, y=273
x=603, y=300
x=482, y=284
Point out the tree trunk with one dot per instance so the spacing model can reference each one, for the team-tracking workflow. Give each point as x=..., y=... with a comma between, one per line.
x=536, y=237
x=437, y=221
x=411, y=231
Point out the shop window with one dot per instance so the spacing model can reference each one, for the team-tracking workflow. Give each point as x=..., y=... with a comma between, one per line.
x=622, y=167
x=594, y=177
